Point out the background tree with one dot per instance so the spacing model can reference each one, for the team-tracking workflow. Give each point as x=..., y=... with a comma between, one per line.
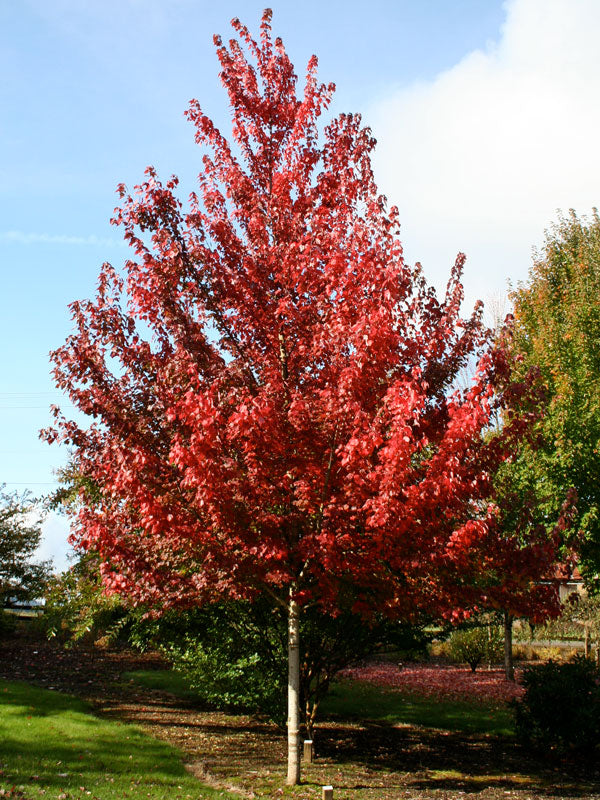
x=21, y=577
x=556, y=329
x=289, y=427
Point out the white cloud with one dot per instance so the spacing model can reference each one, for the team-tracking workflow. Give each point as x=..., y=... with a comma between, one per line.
x=22, y=237
x=54, y=545
x=480, y=159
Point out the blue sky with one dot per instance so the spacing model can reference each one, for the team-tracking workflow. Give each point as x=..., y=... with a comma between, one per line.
x=485, y=113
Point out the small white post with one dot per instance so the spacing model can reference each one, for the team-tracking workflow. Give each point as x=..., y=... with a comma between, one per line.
x=328, y=793
x=308, y=751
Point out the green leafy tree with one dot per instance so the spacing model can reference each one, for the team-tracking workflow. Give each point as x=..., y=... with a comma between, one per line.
x=556, y=330
x=21, y=577
x=539, y=540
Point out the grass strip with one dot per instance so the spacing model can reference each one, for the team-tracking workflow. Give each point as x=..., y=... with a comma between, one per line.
x=358, y=700
x=167, y=680
x=52, y=745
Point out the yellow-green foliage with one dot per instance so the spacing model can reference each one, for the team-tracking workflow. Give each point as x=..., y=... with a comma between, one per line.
x=476, y=645
x=557, y=324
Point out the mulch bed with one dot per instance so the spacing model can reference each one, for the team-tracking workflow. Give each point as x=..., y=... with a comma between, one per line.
x=248, y=754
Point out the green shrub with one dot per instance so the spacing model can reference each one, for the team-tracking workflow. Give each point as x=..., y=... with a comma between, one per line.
x=561, y=706
x=475, y=645
x=231, y=654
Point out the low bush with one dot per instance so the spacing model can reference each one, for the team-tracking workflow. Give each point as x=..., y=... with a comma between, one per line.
x=473, y=646
x=561, y=706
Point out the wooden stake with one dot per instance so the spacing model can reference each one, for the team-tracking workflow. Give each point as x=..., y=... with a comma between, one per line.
x=328, y=793
x=308, y=751
x=586, y=642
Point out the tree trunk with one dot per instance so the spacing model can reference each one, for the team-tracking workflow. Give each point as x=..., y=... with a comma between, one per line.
x=293, y=723
x=509, y=670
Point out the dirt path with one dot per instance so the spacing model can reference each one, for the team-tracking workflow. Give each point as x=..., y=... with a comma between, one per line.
x=248, y=754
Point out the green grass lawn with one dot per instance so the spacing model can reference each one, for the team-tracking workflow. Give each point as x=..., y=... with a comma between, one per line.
x=52, y=745
x=167, y=680
x=356, y=700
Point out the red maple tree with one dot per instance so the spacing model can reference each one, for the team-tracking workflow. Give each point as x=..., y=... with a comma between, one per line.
x=271, y=384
